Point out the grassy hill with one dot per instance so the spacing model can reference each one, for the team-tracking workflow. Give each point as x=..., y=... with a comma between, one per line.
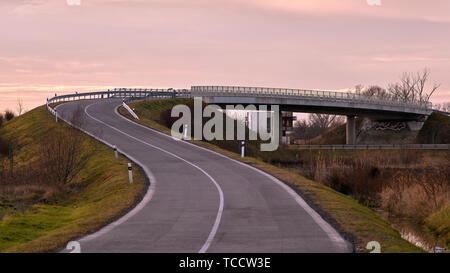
x=333, y=136
x=436, y=130
x=38, y=214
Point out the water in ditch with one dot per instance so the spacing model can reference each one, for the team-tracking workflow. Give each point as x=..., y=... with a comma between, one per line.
x=412, y=232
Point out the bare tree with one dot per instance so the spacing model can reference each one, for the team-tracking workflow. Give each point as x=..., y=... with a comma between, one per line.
x=324, y=121
x=421, y=81
x=315, y=125
x=446, y=106
x=62, y=153
x=20, y=107
x=376, y=91
x=412, y=87
x=359, y=88
x=61, y=156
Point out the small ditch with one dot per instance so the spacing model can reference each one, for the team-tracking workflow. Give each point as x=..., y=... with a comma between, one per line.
x=411, y=231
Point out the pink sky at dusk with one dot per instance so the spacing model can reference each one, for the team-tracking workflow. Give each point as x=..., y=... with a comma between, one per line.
x=47, y=46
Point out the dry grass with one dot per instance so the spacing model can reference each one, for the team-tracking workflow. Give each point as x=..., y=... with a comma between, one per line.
x=417, y=195
x=39, y=215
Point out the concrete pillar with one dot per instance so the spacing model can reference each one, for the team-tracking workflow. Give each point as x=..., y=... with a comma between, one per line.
x=280, y=124
x=351, y=131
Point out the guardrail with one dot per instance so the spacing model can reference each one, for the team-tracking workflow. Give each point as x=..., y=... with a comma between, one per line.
x=122, y=93
x=129, y=94
x=373, y=147
x=442, y=112
x=302, y=93
x=140, y=93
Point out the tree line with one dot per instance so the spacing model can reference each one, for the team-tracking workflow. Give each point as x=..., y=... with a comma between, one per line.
x=411, y=87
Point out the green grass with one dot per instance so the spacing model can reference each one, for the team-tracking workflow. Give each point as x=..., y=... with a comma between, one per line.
x=99, y=194
x=360, y=223
x=438, y=224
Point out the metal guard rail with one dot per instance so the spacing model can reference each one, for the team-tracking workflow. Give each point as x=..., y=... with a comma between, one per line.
x=303, y=93
x=372, y=147
x=127, y=93
x=121, y=93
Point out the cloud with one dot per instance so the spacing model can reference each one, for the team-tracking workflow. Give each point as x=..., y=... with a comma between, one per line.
x=317, y=44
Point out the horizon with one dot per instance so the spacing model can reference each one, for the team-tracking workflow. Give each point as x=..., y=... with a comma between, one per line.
x=47, y=49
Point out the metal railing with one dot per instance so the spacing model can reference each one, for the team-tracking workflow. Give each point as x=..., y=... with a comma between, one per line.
x=303, y=93
x=372, y=147
x=121, y=93
x=129, y=94
x=141, y=93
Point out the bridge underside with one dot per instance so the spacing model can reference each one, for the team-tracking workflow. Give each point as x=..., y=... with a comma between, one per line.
x=375, y=112
x=348, y=109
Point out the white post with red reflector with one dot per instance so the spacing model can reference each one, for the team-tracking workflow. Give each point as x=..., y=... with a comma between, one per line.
x=130, y=173
x=116, y=154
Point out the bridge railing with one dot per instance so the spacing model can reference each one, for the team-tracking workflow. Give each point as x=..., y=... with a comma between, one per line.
x=372, y=147
x=302, y=93
x=128, y=94
x=121, y=93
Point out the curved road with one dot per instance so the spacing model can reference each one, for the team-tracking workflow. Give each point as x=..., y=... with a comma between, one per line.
x=199, y=200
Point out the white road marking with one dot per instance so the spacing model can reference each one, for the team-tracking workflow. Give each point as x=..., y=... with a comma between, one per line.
x=325, y=226
x=221, y=198
x=147, y=197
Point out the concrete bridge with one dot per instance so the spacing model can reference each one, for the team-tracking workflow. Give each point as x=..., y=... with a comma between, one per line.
x=317, y=101
x=289, y=100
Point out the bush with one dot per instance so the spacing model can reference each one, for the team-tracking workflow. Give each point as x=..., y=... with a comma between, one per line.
x=361, y=181
x=9, y=115
x=417, y=195
x=1, y=119
x=61, y=158
x=4, y=147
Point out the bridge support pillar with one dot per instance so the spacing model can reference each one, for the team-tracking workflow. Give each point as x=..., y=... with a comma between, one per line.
x=350, y=131
x=280, y=127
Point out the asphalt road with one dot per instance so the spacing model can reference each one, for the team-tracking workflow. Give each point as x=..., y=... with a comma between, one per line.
x=198, y=200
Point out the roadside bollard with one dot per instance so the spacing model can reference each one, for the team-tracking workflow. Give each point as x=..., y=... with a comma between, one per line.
x=130, y=173
x=185, y=131
x=115, y=152
x=243, y=149
x=56, y=116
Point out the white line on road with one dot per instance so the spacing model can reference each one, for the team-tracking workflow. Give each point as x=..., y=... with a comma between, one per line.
x=325, y=226
x=221, y=201
x=147, y=197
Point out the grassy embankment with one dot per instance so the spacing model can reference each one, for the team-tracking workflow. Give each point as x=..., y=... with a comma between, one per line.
x=415, y=185
x=358, y=223
x=41, y=217
x=436, y=130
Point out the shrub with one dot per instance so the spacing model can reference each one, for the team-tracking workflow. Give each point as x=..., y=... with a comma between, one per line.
x=4, y=147
x=1, y=119
x=9, y=115
x=417, y=195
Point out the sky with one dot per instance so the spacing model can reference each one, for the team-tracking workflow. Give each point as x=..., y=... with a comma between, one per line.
x=49, y=46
